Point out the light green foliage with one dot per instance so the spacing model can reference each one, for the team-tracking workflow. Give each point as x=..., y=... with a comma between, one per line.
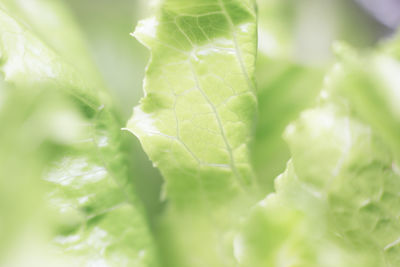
x=197, y=117
x=285, y=88
x=100, y=221
x=67, y=197
x=371, y=82
x=343, y=180
x=290, y=228
x=26, y=60
x=334, y=204
x=51, y=22
x=61, y=160
x=196, y=121
x=276, y=35
x=355, y=176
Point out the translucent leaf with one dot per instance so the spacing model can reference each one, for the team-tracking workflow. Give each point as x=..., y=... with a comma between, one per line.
x=285, y=88
x=342, y=180
x=371, y=82
x=53, y=24
x=197, y=116
x=196, y=120
x=66, y=197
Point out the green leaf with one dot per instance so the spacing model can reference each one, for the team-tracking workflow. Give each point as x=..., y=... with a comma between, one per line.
x=196, y=119
x=277, y=28
x=370, y=81
x=101, y=220
x=355, y=177
x=342, y=180
x=62, y=164
x=26, y=59
x=285, y=88
x=51, y=22
x=290, y=228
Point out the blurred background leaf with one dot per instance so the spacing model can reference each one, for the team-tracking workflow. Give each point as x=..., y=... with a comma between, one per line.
x=67, y=197
x=295, y=51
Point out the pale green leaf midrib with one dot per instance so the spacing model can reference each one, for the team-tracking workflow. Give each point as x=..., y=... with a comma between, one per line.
x=250, y=84
x=237, y=48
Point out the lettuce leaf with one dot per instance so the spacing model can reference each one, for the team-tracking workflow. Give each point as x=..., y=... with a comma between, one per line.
x=337, y=202
x=53, y=24
x=285, y=86
x=196, y=119
x=67, y=197
x=62, y=163
x=371, y=83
